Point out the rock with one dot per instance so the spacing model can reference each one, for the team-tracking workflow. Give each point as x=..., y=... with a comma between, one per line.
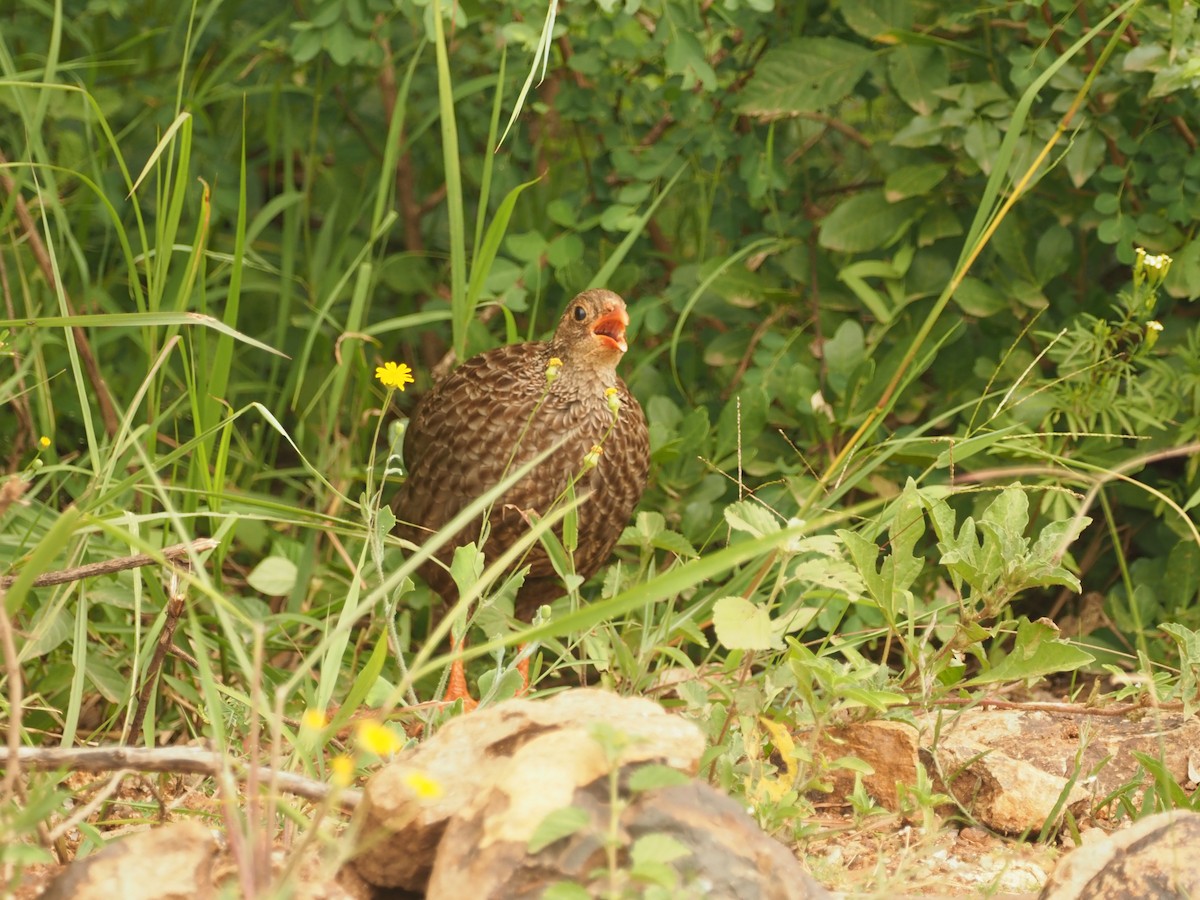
x=531, y=756
x=174, y=862
x=890, y=748
x=1009, y=768
x=1155, y=857
x=689, y=839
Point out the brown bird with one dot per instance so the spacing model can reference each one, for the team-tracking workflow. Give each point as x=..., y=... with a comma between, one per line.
x=497, y=412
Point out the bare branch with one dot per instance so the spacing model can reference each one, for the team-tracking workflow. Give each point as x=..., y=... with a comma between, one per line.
x=91, y=570
x=186, y=760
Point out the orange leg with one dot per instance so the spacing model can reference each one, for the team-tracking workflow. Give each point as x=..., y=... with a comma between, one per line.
x=523, y=668
x=456, y=684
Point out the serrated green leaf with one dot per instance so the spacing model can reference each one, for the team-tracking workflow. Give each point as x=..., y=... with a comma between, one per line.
x=751, y=518
x=804, y=75
x=674, y=542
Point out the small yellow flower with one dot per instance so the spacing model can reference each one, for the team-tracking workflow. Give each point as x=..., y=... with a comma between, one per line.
x=313, y=719
x=592, y=459
x=552, y=369
x=44, y=442
x=394, y=375
x=423, y=785
x=613, y=396
x=342, y=770
x=377, y=738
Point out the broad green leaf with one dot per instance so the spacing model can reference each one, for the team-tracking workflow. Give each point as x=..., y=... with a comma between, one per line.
x=275, y=576
x=804, y=75
x=656, y=775
x=913, y=181
x=877, y=19
x=466, y=566
x=978, y=298
x=1036, y=653
x=843, y=352
x=685, y=56
x=658, y=848
x=866, y=221
x=557, y=825
x=742, y=625
x=917, y=73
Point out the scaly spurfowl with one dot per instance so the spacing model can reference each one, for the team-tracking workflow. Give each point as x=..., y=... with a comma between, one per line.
x=497, y=412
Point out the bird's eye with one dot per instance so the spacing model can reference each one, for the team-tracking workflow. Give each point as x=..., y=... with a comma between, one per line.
x=580, y=314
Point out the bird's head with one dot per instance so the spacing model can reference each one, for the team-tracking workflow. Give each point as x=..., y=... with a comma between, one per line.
x=591, y=331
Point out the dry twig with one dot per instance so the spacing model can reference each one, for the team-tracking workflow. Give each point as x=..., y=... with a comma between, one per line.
x=186, y=760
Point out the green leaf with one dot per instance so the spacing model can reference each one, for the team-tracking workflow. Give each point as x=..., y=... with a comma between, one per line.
x=917, y=72
x=485, y=255
x=1036, y=653
x=804, y=75
x=889, y=583
x=978, y=298
x=843, y=352
x=1188, y=642
x=466, y=566
x=557, y=825
x=877, y=19
x=655, y=775
x=566, y=890
x=866, y=221
x=657, y=848
x=685, y=56
x=913, y=181
x=963, y=450
x=275, y=576
x=741, y=625
x=752, y=518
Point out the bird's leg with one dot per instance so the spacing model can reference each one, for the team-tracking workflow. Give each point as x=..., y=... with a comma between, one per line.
x=523, y=668
x=456, y=684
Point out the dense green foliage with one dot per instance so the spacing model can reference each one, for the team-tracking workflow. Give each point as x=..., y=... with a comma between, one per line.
x=849, y=344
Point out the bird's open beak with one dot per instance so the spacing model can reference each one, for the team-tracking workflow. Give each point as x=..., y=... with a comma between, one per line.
x=610, y=329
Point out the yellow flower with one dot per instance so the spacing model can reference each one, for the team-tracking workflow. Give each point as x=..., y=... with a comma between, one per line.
x=342, y=769
x=377, y=738
x=552, y=369
x=423, y=785
x=613, y=396
x=313, y=719
x=44, y=441
x=394, y=375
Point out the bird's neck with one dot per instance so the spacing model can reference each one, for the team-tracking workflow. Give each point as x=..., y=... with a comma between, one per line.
x=582, y=376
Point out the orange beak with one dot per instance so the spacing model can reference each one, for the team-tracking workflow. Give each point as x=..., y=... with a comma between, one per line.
x=610, y=329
